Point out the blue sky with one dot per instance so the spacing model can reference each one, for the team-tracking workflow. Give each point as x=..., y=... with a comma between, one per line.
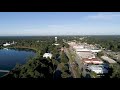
x=59, y=23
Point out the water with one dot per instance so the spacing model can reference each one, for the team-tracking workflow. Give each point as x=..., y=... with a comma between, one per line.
x=10, y=57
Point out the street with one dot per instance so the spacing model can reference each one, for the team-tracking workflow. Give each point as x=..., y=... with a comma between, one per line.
x=71, y=65
x=82, y=68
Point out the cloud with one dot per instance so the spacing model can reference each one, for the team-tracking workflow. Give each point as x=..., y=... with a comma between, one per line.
x=53, y=26
x=104, y=16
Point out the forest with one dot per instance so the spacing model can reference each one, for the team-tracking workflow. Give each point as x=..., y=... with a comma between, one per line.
x=108, y=42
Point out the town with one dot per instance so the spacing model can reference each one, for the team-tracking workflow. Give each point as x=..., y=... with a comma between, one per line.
x=85, y=55
x=60, y=45
x=84, y=60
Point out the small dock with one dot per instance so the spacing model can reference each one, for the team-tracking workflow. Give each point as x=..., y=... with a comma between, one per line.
x=6, y=71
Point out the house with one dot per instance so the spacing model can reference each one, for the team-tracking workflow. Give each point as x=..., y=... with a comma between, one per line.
x=6, y=44
x=46, y=55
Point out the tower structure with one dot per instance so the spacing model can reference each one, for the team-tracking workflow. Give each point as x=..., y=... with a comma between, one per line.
x=56, y=39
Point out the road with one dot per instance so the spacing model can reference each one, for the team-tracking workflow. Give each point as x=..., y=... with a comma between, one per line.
x=71, y=65
x=82, y=67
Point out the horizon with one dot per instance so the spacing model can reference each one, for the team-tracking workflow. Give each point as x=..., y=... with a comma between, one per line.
x=59, y=23
x=57, y=35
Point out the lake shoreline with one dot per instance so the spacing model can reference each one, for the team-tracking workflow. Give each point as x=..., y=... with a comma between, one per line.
x=16, y=47
x=19, y=49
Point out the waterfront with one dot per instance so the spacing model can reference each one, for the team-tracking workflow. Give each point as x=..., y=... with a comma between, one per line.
x=10, y=57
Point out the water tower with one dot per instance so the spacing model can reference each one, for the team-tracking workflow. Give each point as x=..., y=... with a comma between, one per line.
x=55, y=39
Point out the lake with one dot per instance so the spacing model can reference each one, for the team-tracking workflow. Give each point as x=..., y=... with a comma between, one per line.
x=9, y=58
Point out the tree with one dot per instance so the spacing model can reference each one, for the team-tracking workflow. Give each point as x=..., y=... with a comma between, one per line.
x=115, y=71
x=18, y=66
x=65, y=68
x=65, y=75
x=99, y=54
x=64, y=58
x=36, y=74
x=66, y=45
x=55, y=63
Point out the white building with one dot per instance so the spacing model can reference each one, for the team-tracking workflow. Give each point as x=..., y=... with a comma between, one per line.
x=78, y=47
x=98, y=69
x=82, y=50
x=6, y=44
x=46, y=55
x=56, y=44
x=95, y=51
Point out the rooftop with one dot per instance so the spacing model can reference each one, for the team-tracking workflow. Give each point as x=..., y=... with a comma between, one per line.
x=47, y=55
x=86, y=54
x=108, y=59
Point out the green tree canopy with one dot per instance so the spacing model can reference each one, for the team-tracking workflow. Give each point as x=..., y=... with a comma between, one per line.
x=64, y=58
x=115, y=71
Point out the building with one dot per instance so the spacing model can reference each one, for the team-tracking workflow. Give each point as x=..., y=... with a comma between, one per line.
x=82, y=50
x=72, y=43
x=46, y=55
x=92, y=61
x=56, y=44
x=95, y=51
x=85, y=54
x=97, y=69
x=109, y=60
x=78, y=46
x=6, y=44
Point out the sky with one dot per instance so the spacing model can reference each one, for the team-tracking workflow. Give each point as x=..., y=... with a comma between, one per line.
x=59, y=23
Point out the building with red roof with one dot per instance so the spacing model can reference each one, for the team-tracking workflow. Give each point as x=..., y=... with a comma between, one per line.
x=92, y=61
